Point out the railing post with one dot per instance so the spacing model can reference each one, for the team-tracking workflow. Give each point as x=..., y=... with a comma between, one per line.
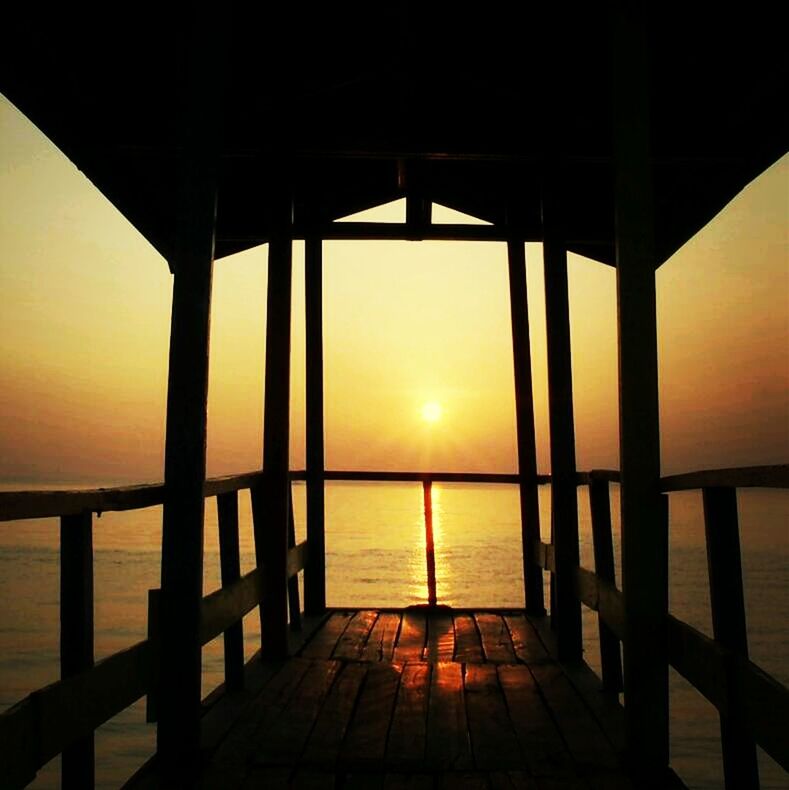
x=602, y=540
x=430, y=548
x=271, y=530
x=564, y=495
x=230, y=566
x=524, y=413
x=644, y=535
x=294, y=609
x=76, y=633
x=724, y=566
x=315, y=572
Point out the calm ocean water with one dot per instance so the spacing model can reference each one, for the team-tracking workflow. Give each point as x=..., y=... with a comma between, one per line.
x=375, y=557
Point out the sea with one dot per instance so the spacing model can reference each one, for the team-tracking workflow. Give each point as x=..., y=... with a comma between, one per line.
x=375, y=541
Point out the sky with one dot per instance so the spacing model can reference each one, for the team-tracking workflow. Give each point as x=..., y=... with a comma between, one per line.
x=85, y=319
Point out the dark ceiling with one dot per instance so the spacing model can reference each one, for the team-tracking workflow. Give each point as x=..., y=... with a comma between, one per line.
x=465, y=99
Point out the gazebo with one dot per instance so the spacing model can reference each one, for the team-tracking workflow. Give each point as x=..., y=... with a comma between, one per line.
x=616, y=132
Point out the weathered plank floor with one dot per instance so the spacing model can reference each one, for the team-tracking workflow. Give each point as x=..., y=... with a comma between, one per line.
x=418, y=699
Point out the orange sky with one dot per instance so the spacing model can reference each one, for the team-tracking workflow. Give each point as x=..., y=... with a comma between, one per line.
x=85, y=317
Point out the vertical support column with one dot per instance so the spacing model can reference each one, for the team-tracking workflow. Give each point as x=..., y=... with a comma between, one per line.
x=178, y=735
x=76, y=633
x=564, y=495
x=315, y=572
x=602, y=541
x=724, y=564
x=271, y=529
x=644, y=533
x=230, y=566
x=524, y=416
x=430, y=546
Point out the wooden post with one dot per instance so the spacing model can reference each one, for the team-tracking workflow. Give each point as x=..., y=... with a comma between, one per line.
x=271, y=529
x=430, y=547
x=294, y=609
x=564, y=496
x=644, y=533
x=724, y=565
x=602, y=541
x=524, y=416
x=315, y=572
x=178, y=735
x=230, y=566
x=76, y=633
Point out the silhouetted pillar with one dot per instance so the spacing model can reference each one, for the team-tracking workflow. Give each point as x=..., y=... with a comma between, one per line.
x=524, y=414
x=272, y=509
x=564, y=500
x=178, y=736
x=644, y=530
x=315, y=572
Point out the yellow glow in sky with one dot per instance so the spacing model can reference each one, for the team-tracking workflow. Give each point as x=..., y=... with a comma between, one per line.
x=84, y=329
x=431, y=411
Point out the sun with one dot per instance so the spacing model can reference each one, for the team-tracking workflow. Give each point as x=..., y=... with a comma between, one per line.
x=431, y=412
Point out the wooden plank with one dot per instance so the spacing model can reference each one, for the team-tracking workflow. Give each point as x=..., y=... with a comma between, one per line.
x=315, y=575
x=512, y=780
x=524, y=414
x=602, y=597
x=493, y=740
x=365, y=740
x=284, y=739
x=644, y=531
x=526, y=643
x=593, y=754
x=463, y=780
x=405, y=746
x=448, y=746
x=325, y=740
x=602, y=541
x=76, y=634
x=468, y=645
x=271, y=529
x=710, y=668
x=383, y=637
x=297, y=559
x=353, y=641
x=421, y=477
x=776, y=476
x=230, y=567
x=223, y=607
x=440, y=636
x=39, y=727
x=215, y=486
x=408, y=782
x=496, y=640
x=325, y=640
x=412, y=636
x=544, y=750
x=264, y=776
x=564, y=503
x=16, y=505
x=306, y=779
x=356, y=781
x=229, y=763
x=294, y=607
x=724, y=566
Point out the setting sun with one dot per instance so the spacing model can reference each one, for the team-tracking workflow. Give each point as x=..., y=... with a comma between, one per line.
x=431, y=412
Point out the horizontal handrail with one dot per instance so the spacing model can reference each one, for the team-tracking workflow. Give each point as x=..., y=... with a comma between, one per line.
x=16, y=505
x=776, y=476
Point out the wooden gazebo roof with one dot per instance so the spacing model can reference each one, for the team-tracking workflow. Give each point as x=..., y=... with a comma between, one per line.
x=464, y=102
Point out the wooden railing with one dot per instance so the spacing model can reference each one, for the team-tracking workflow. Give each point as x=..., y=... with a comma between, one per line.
x=62, y=717
x=753, y=706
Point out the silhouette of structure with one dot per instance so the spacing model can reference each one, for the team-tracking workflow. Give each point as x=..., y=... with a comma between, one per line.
x=613, y=133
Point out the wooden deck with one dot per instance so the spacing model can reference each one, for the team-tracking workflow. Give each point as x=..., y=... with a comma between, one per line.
x=421, y=698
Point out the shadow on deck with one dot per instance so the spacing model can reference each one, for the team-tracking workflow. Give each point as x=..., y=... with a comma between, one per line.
x=419, y=698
